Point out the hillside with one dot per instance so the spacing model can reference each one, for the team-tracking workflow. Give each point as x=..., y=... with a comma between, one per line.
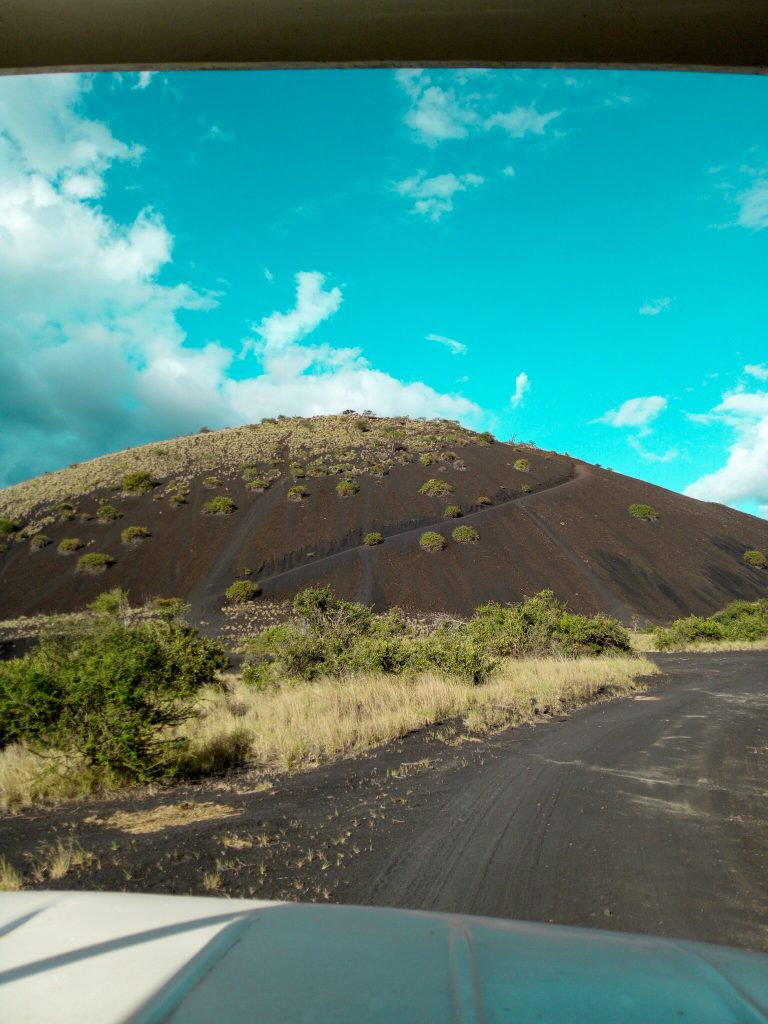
x=555, y=522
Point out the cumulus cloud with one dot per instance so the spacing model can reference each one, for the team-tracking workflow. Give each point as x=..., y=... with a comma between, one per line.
x=457, y=348
x=522, y=387
x=432, y=197
x=635, y=412
x=521, y=121
x=508, y=171
x=143, y=79
x=744, y=476
x=759, y=371
x=93, y=353
x=655, y=307
x=753, y=205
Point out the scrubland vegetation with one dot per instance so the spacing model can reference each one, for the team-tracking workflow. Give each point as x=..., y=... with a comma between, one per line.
x=741, y=623
x=119, y=695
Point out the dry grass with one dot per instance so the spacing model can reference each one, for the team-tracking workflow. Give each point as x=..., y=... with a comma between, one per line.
x=59, y=858
x=645, y=643
x=311, y=723
x=157, y=819
x=10, y=878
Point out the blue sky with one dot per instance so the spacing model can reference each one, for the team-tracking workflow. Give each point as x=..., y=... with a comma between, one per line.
x=574, y=258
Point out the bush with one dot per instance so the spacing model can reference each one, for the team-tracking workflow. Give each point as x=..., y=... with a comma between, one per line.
x=738, y=621
x=258, y=484
x=362, y=425
x=219, y=506
x=373, y=538
x=297, y=493
x=452, y=512
x=486, y=437
x=436, y=488
x=466, y=535
x=426, y=459
x=111, y=602
x=107, y=513
x=523, y=465
x=347, y=488
x=211, y=482
x=138, y=483
x=647, y=513
x=484, y=500
x=69, y=544
x=242, y=591
x=8, y=526
x=297, y=471
x=40, y=540
x=94, y=563
x=134, y=534
x=178, y=498
x=432, y=541
x=756, y=558
x=108, y=693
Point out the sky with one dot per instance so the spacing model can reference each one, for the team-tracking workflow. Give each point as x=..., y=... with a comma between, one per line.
x=573, y=258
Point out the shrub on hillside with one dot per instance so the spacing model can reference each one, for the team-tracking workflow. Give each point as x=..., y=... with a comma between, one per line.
x=39, y=540
x=426, y=459
x=259, y=484
x=646, y=513
x=373, y=538
x=242, y=591
x=347, y=488
x=756, y=558
x=436, y=488
x=8, y=526
x=111, y=602
x=211, y=482
x=486, y=437
x=484, y=500
x=452, y=512
x=219, y=506
x=134, y=534
x=108, y=693
x=69, y=544
x=738, y=621
x=138, y=483
x=297, y=493
x=108, y=513
x=523, y=465
x=432, y=541
x=178, y=498
x=94, y=563
x=466, y=535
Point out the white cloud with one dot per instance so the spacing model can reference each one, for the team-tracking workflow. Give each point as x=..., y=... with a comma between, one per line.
x=744, y=476
x=522, y=387
x=759, y=371
x=655, y=307
x=635, y=412
x=508, y=171
x=753, y=205
x=457, y=348
x=93, y=354
x=435, y=114
x=521, y=121
x=432, y=197
x=668, y=456
x=217, y=134
x=268, y=275
x=143, y=79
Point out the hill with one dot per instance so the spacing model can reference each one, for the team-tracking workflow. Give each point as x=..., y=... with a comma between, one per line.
x=297, y=497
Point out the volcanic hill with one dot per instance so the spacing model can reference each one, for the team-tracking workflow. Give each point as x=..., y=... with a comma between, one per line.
x=304, y=493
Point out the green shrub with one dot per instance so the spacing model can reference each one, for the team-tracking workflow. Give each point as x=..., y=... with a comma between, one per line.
x=297, y=471
x=436, y=488
x=486, y=437
x=109, y=693
x=111, y=602
x=362, y=425
x=251, y=473
x=94, y=563
x=523, y=465
x=432, y=541
x=107, y=513
x=69, y=544
x=347, y=488
x=258, y=484
x=426, y=459
x=756, y=558
x=134, y=534
x=219, y=506
x=40, y=540
x=738, y=621
x=8, y=526
x=211, y=482
x=373, y=538
x=297, y=493
x=242, y=591
x=178, y=498
x=647, y=513
x=483, y=500
x=526, y=488
x=452, y=512
x=138, y=483
x=466, y=535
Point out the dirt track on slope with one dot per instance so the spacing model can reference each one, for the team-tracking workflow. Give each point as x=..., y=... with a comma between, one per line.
x=646, y=814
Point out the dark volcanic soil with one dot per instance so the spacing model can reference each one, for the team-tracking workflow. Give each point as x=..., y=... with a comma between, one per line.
x=647, y=814
x=572, y=533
